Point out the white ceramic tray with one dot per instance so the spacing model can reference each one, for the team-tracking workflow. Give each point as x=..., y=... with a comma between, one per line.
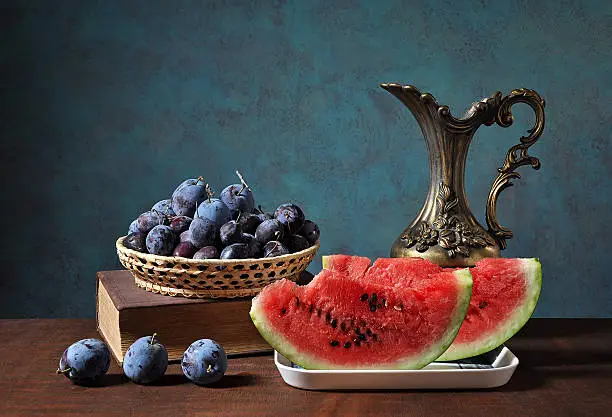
x=437, y=375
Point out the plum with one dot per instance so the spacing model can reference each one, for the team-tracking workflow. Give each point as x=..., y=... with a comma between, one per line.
x=204, y=362
x=310, y=231
x=85, y=361
x=214, y=210
x=185, y=250
x=207, y=252
x=203, y=232
x=230, y=232
x=274, y=248
x=164, y=207
x=179, y=224
x=268, y=230
x=235, y=251
x=161, y=240
x=136, y=241
x=146, y=360
x=187, y=196
x=291, y=216
x=296, y=243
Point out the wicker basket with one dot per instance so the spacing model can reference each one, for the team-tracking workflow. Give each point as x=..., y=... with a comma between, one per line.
x=211, y=278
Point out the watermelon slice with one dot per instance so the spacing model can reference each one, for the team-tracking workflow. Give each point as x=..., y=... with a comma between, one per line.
x=337, y=322
x=504, y=297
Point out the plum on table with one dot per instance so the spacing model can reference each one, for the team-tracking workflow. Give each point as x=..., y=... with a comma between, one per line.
x=204, y=362
x=85, y=361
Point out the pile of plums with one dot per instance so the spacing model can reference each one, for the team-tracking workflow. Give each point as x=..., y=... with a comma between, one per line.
x=193, y=224
x=86, y=361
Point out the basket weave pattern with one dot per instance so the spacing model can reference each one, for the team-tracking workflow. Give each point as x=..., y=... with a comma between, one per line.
x=211, y=278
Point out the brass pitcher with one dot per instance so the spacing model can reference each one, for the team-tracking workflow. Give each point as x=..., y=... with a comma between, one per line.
x=445, y=231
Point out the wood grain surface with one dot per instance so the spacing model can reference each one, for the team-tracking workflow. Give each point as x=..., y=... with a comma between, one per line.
x=565, y=370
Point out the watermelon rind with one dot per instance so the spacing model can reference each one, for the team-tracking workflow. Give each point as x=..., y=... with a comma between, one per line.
x=532, y=270
x=415, y=361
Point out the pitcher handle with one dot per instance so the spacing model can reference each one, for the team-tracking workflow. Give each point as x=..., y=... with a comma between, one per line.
x=516, y=156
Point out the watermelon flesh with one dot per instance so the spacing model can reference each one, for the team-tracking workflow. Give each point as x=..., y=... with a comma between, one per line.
x=504, y=295
x=339, y=322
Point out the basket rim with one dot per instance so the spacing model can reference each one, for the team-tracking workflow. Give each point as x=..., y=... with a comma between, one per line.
x=177, y=259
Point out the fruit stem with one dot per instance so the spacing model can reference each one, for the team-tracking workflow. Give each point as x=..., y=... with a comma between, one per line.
x=153, y=337
x=244, y=184
x=209, y=192
x=260, y=209
x=238, y=218
x=209, y=369
x=63, y=371
x=274, y=248
x=200, y=178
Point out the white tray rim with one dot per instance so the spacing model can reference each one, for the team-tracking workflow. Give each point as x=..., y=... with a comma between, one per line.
x=437, y=375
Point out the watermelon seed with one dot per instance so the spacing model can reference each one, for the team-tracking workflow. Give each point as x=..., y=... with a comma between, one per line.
x=362, y=323
x=297, y=302
x=482, y=304
x=375, y=336
x=310, y=308
x=327, y=316
x=372, y=307
x=334, y=323
x=361, y=336
x=334, y=343
x=369, y=332
x=364, y=297
x=319, y=312
x=374, y=298
x=357, y=342
x=284, y=311
x=347, y=345
x=343, y=326
x=357, y=330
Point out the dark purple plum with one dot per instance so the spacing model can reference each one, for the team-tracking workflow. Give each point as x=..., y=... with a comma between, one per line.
x=268, y=230
x=134, y=227
x=203, y=232
x=230, y=232
x=185, y=250
x=207, y=252
x=185, y=236
x=85, y=361
x=179, y=224
x=274, y=248
x=146, y=360
x=187, y=196
x=235, y=251
x=310, y=231
x=238, y=198
x=204, y=362
x=215, y=210
x=248, y=222
x=291, y=216
x=136, y=241
x=149, y=219
x=296, y=243
x=164, y=207
x=253, y=245
x=161, y=240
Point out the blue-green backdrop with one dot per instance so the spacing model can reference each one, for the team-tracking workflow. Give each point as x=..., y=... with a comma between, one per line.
x=106, y=106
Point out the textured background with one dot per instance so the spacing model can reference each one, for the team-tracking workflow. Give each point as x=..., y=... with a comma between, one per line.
x=107, y=106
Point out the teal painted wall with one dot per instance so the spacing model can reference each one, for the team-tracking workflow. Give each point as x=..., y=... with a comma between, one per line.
x=106, y=106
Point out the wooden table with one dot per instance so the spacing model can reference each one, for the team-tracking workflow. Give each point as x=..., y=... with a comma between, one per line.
x=565, y=370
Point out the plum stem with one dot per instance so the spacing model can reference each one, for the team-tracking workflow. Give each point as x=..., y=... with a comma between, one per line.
x=209, y=192
x=200, y=178
x=244, y=184
x=209, y=369
x=63, y=371
x=153, y=337
x=238, y=218
x=274, y=248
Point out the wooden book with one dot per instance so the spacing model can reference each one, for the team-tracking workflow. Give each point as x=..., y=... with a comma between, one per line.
x=125, y=312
